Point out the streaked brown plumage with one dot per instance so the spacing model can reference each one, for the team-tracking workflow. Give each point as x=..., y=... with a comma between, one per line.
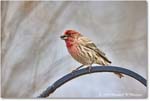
x=84, y=50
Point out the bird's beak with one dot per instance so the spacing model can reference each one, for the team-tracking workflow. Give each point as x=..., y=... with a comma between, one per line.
x=64, y=37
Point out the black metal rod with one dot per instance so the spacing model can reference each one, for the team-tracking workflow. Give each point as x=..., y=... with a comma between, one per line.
x=94, y=69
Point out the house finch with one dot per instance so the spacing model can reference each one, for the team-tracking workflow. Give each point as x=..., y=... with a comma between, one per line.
x=84, y=50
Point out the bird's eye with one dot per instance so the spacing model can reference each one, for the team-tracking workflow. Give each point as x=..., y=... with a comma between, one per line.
x=69, y=34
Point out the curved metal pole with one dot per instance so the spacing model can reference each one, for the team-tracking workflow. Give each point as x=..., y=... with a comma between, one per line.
x=94, y=69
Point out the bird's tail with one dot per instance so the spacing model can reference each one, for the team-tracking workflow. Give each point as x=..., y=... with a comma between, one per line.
x=106, y=63
x=119, y=74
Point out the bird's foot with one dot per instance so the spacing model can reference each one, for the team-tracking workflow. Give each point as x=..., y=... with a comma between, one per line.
x=74, y=71
x=77, y=68
x=89, y=68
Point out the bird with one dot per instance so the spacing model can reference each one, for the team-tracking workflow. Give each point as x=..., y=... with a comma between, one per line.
x=83, y=50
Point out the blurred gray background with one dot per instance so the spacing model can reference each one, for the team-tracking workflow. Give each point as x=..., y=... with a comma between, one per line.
x=34, y=56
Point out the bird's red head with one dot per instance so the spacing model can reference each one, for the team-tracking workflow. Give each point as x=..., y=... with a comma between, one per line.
x=70, y=34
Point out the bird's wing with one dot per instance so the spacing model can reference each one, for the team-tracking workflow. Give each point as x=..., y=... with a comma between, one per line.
x=84, y=41
x=89, y=44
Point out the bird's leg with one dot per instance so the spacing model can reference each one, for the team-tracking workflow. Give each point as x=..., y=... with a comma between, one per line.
x=89, y=68
x=77, y=68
